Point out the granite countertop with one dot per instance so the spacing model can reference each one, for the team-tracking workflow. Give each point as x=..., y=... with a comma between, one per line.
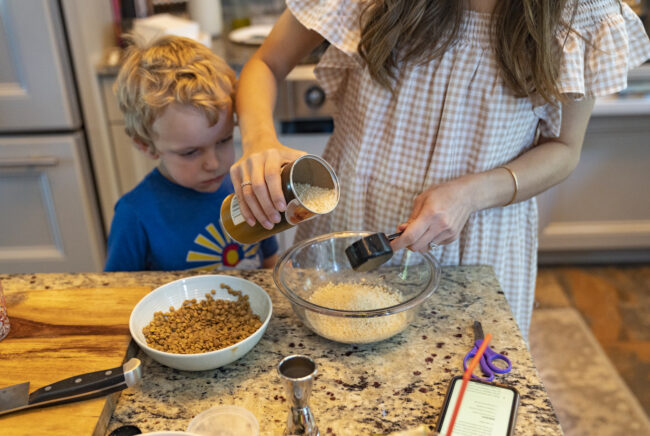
x=376, y=388
x=360, y=390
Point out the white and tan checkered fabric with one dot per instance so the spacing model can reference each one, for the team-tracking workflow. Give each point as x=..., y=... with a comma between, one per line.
x=453, y=116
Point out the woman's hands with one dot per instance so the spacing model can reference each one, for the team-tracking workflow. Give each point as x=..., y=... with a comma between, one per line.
x=258, y=185
x=438, y=216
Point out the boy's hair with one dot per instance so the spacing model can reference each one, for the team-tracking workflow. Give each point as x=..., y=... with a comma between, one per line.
x=171, y=69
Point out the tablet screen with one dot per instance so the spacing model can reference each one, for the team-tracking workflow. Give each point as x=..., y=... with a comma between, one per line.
x=485, y=410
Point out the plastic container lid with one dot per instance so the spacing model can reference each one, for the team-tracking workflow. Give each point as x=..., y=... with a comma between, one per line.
x=224, y=421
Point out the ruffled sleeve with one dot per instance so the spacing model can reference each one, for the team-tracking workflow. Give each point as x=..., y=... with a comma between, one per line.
x=338, y=21
x=608, y=40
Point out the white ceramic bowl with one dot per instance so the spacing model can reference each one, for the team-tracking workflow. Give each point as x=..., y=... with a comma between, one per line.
x=174, y=293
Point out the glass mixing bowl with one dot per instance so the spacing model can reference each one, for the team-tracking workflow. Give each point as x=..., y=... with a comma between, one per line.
x=343, y=305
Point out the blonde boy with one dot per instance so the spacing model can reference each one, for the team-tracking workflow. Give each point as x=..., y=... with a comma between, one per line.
x=177, y=100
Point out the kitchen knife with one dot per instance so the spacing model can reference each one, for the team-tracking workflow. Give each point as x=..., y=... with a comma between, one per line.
x=77, y=388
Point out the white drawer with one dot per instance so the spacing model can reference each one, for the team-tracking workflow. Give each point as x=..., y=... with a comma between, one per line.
x=49, y=221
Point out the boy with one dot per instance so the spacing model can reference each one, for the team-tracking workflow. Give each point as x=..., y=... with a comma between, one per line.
x=176, y=96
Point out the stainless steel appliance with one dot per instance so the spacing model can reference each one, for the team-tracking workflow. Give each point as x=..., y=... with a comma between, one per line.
x=303, y=107
x=302, y=104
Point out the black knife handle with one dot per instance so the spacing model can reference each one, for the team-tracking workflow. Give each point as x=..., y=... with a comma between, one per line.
x=90, y=385
x=76, y=397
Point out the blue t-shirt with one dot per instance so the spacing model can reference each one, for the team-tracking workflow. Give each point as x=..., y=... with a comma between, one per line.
x=163, y=226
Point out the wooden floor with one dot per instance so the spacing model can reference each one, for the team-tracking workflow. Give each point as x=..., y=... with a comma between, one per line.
x=615, y=303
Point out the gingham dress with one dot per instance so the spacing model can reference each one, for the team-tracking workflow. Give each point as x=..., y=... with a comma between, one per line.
x=453, y=116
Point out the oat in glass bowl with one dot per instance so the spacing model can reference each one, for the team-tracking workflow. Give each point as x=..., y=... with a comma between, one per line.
x=347, y=306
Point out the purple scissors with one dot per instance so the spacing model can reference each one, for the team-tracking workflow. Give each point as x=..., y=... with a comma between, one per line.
x=489, y=357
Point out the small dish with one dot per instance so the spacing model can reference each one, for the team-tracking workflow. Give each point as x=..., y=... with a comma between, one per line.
x=175, y=293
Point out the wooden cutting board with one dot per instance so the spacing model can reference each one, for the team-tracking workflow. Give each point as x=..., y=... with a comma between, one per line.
x=59, y=333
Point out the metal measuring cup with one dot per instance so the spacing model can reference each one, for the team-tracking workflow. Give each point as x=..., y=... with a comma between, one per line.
x=297, y=373
x=370, y=252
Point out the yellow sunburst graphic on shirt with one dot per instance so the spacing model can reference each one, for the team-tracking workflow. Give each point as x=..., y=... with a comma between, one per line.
x=222, y=249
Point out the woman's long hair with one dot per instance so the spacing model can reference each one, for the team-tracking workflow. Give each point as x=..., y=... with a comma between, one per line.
x=523, y=32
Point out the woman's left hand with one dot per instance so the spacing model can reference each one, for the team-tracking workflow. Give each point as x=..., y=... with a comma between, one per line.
x=438, y=216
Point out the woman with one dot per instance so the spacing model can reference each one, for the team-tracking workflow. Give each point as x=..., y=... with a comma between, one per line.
x=450, y=118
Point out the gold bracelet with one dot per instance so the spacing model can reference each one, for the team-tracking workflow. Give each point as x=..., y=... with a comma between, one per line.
x=514, y=178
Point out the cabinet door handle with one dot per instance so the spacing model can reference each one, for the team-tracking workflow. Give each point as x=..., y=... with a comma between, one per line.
x=20, y=162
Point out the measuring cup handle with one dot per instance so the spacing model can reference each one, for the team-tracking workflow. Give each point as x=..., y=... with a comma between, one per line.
x=394, y=235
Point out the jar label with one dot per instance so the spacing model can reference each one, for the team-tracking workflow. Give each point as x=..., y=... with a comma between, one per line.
x=235, y=212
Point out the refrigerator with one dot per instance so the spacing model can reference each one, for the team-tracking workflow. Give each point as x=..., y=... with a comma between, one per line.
x=49, y=216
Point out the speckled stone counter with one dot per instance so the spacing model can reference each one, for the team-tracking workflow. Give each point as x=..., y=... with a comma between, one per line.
x=377, y=388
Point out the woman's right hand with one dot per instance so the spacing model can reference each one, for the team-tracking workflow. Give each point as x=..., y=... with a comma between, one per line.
x=261, y=198
x=258, y=185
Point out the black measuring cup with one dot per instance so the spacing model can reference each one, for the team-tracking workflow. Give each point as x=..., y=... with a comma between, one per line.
x=370, y=252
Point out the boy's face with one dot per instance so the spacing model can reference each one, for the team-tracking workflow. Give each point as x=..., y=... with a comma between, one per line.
x=192, y=153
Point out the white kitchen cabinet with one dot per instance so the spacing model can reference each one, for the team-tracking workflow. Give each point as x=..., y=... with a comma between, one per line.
x=36, y=87
x=601, y=213
x=49, y=220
